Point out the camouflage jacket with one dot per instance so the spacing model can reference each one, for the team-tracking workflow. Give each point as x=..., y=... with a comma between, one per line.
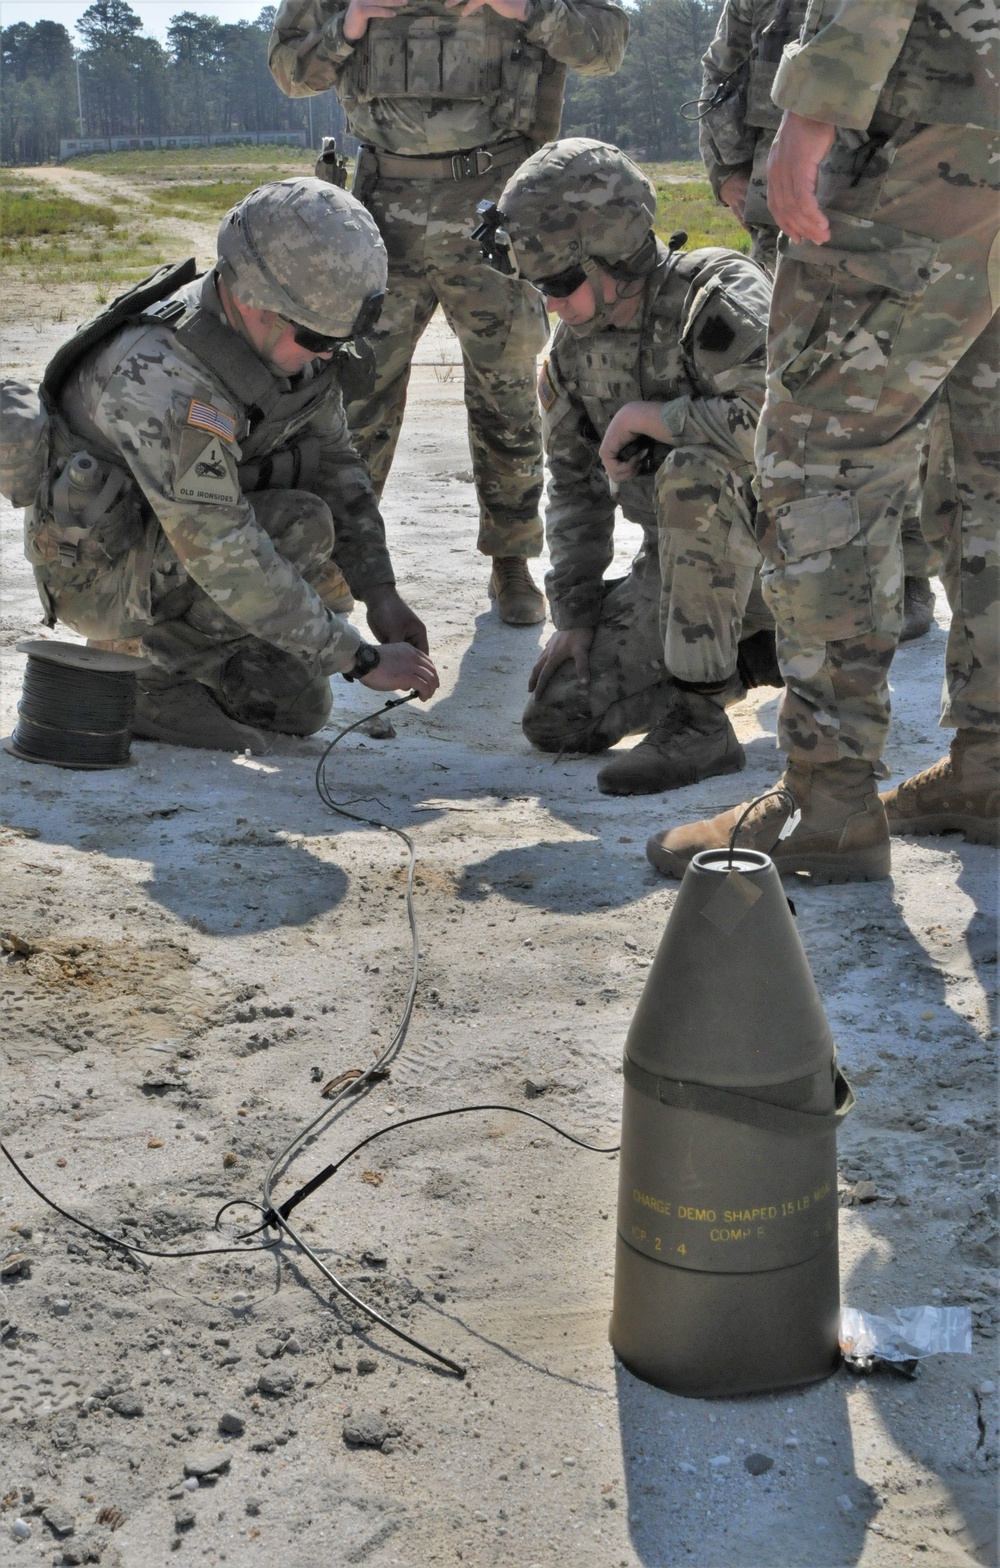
x=428, y=80
x=697, y=345
x=145, y=400
x=935, y=61
x=738, y=115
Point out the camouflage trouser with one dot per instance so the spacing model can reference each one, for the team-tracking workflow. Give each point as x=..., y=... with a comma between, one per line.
x=679, y=614
x=961, y=517
x=192, y=637
x=501, y=326
x=864, y=333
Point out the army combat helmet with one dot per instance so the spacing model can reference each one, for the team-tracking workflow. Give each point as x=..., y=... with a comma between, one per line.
x=573, y=206
x=308, y=251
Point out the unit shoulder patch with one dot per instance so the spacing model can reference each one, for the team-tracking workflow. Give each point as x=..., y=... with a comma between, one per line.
x=548, y=393
x=205, y=417
x=206, y=471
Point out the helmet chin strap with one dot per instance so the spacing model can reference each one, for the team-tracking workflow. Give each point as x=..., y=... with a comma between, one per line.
x=234, y=316
x=625, y=288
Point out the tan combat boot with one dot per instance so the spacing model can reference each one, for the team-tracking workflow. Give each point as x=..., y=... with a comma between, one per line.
x=958, y=794
x=842, y=837
x=519, y=601
x=331, y=585
x=918, y=608
x=184, y=713
x=693, y=741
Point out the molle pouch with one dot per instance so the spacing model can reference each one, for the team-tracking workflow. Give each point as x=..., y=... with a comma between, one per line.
x=24, y=442
x=91, y=519
x=365, y=173
x=408, y=56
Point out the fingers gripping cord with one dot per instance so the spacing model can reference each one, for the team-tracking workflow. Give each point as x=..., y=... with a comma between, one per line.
x=277, y=1217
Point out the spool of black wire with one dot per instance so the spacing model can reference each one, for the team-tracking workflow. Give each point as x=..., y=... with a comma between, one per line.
x=77, y=706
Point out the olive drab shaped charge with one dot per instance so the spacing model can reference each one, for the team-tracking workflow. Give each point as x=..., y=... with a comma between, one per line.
x=726, y=1277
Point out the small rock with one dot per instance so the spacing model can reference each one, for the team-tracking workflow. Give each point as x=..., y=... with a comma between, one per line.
x=233, y=1423
x=379, y=727
x=60, y=1308
x=184, y=1519
x=758, y=1464
x=16, y=1265
x=719, y=1461
x=791, y=1442
x=366, y=1430
x=252, y=1506
x=229, y=1160
x=844, y=1504
x=367, y=1365
x=191, y=1484
x=822, y=1461
x=269, y=1349
x=198, y=1466
x=341, y=1366
x=20, y=1530
x=59, y=1520
x=987, y=1387
x=534, y=1091
x=865, y=1192
x=687, y=1467
x=275, y=1385
x=128, y=1405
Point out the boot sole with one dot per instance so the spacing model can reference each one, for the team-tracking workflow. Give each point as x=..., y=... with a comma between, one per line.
x=865, y=865
x=249, y=739
x=977, y=830
x=732, y=764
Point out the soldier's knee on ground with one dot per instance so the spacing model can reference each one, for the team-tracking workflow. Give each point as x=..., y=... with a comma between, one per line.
x=299, y=524
x=272, y=690
x=563, y=719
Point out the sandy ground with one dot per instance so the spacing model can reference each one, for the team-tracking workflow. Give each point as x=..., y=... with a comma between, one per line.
x=194, y=946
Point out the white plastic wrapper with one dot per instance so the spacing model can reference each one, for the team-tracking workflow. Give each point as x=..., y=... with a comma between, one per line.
x=908, y=1334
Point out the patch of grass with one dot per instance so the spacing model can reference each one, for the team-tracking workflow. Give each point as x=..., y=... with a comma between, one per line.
x=203, y=200
x=690, y=205
x=27, y=212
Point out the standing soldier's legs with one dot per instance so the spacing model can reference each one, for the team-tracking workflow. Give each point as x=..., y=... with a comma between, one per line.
x=961, y=793
x=502, y=327
x=708, y=560
x=863, y=334
x=629, y=688
x=215, y=685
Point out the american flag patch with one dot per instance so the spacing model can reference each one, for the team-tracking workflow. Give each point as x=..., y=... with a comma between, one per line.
x=208, y=418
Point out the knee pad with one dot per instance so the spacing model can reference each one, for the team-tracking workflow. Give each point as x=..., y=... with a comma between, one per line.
x=273, y=690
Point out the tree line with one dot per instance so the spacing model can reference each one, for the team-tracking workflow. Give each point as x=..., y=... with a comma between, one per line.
x=212, y=77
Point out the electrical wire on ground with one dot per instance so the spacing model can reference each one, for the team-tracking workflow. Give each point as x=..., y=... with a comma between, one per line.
x=276, y=1217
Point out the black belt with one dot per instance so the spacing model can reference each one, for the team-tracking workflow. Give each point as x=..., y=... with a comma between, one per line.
x=467, y=165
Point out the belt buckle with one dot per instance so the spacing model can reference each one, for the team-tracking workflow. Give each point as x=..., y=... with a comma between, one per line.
x=466, y=165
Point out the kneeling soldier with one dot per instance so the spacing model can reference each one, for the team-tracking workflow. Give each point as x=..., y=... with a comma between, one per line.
x=202, y=494
x=661, y=350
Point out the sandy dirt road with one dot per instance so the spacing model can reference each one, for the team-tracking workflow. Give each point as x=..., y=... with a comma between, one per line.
x=194, y=946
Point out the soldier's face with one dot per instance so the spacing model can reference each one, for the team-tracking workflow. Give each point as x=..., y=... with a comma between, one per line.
x=577, y=308
x=275, y=338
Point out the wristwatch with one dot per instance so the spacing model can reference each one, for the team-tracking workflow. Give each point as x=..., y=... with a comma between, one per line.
x=365, y=660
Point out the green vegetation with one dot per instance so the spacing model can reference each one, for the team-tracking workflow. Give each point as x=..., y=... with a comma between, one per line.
x=260, y=163
x=54, y=238
x=208, y=201
x=27, y=211
x=690, y=205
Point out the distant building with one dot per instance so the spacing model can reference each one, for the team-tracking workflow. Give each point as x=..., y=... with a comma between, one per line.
x=76, y=146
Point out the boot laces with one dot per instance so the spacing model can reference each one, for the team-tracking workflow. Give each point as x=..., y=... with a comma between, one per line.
x=512, y=572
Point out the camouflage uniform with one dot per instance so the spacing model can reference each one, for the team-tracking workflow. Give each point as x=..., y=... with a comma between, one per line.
x=697, y=344
x=420, y=89
x=738, y=125
x=868, y=332
x=222, y=520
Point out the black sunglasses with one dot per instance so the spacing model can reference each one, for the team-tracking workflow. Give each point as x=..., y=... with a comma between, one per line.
x=317, y=343
x=563, y=284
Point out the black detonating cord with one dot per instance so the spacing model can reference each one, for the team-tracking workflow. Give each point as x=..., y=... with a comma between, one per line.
x=276, y=1218
x=778, y=793
x=75, y=716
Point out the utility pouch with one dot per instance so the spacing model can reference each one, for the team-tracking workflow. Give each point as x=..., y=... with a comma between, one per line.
x=365, y=173
x=330, y=166
x=89, y=518
x=24, y=442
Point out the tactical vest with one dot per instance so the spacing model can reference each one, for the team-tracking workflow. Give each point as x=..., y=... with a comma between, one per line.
x=74, y=530
x=653, y=363
x=441, y=58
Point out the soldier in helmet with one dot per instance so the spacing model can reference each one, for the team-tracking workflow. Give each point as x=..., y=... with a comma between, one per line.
x=203, y=495
x=447, y=97
x=663, y=350
x=736, y=125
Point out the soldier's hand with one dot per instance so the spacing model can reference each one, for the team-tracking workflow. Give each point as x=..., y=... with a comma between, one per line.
x=792, y=174
x=360, y=12
x=734, y=193
x=515, y=10
x=392, y=620
x=635, y=419
x=574, y=643
x=402, y=668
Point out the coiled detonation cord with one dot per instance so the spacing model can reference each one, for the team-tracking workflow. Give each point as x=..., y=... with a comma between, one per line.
x=276, y=1218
